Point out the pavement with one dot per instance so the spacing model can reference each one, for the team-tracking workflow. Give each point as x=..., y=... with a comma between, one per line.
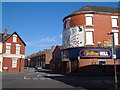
x=31, y=79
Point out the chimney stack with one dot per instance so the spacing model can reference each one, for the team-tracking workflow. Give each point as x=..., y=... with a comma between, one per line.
x=53, y=47
x=5, y=32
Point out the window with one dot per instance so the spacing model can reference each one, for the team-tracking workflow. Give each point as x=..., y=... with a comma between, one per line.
x=116, y=36
x=14, y=38
x=89, y=37
x=89, y=19
x=17, y=49
x=14, y=62
x=67, y=23
x=114, y=21
x=8, y=47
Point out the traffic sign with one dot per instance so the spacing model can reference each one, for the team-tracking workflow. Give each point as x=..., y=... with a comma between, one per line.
x=28, y=59
x=78, y=57
x=114, y=56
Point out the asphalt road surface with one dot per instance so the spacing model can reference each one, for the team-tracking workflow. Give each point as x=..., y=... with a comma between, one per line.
x=31, y=79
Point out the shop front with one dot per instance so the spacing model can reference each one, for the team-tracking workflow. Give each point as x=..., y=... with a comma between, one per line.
x=92, y=61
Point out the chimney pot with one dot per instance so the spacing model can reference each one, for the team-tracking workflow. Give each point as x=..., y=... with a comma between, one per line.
x=5, y=32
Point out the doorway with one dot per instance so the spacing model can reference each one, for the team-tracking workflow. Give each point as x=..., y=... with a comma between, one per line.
x=102, y=65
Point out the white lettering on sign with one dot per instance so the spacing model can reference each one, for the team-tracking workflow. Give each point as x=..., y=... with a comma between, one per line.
x=103, y=53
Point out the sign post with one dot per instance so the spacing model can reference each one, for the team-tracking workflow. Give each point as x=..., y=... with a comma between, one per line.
x=114, y=57
x=29, y=62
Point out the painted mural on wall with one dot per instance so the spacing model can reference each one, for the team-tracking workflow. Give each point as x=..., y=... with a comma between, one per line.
x=73, y=37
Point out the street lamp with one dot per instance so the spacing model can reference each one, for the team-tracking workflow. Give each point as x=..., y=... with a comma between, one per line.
x=114, y=56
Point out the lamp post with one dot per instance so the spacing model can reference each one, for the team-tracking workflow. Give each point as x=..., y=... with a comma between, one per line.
x=114, y=56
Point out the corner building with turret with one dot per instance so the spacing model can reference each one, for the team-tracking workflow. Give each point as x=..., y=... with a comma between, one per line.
x=87, y=47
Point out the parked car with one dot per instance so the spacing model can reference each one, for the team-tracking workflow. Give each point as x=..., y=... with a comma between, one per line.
x=38, y=67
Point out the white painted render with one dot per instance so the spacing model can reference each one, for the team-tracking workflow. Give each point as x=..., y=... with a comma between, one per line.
x=1, y=58
x=1, y=47
x=13, y=55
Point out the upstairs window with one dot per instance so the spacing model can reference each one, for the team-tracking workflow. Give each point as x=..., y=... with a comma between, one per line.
x=89, y=36
x=114, y=21
x=116, y=41
x=8, y=47
x=89, y=19
x=67, y=23
x=17, y=49
x=14, y=38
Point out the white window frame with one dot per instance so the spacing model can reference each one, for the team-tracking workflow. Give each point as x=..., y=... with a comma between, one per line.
x=18, y=48
x=14, y=62
x=67, y=23
x=114, y=19
x=89, y=19
x=8, y=49
x=14, y=38
x=116, y=37
x=89, y=30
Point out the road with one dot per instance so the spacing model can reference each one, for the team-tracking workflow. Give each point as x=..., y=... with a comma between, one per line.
x=30, y=79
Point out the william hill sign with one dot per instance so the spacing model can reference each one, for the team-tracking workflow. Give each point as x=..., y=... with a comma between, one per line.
x=95, y=53
x=91, y=53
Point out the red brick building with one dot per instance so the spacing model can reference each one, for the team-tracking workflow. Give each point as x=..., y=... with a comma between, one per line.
x=56, y=61
x=85, y=40
x=42, y=58
x=12, y=52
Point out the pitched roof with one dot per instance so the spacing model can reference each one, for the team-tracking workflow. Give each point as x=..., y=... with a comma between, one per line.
x=96, y=9
x=60, y=47
x=4, y=38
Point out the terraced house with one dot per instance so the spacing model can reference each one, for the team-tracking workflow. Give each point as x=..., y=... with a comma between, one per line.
x=12, y=52
x=87, y=48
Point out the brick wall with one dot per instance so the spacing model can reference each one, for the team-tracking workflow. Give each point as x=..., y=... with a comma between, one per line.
x=13, y=46
x=7, y=62
x=102, y=25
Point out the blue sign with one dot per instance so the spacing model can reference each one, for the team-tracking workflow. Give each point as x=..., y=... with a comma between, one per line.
x=91, y=53
x=118, y=53
x=95, y=53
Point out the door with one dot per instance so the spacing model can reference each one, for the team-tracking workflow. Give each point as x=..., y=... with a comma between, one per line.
x=102, y=64
x=74, y=65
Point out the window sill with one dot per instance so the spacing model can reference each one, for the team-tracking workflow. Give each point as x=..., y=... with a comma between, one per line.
x=14, y=41
x=7, y=53
x=89, y=44
x=115, y=26
x=89, y=25
x=17, y=54
x=14, y=67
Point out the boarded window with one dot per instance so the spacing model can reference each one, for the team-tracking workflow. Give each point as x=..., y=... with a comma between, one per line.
x=89, y=38
x=116, y=38
x=114, y=22
x=89, y=20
